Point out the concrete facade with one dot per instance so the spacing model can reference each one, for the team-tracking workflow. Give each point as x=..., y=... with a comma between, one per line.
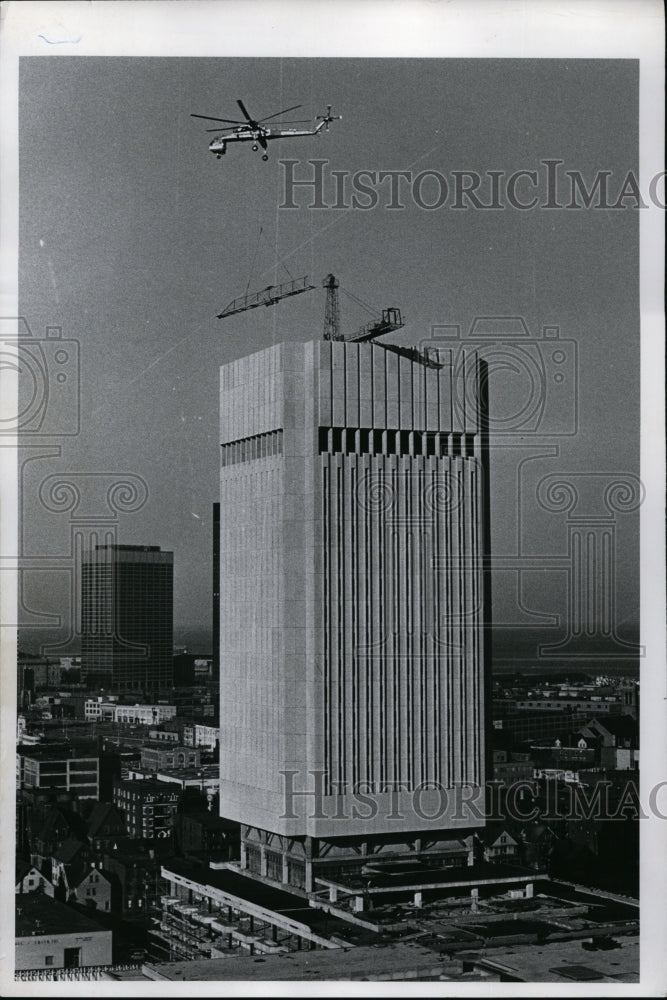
x=351, y=591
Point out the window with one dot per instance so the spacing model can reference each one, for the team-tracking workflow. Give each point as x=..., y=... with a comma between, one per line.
x=48, y=960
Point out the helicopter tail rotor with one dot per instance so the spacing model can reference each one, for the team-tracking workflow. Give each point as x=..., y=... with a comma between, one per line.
x=328, y=117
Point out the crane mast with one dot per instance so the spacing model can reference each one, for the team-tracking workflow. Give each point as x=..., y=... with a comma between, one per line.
x=331, y=309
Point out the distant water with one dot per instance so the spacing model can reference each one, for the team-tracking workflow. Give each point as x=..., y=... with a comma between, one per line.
x=519, y=650
x=36, y=641
x=512, y=650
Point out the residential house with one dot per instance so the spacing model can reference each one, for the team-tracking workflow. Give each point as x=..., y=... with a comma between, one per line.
x=94, y=890
x=29, y=878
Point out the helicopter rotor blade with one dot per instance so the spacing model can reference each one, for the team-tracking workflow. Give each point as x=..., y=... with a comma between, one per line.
x=276, y=113
x=209, y=118
x=245, y=112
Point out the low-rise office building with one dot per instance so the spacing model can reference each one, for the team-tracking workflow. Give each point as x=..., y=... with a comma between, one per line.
x=101, y=710
x=51, y=935
x=70, y=770
x=198, y=735
x=161, y=756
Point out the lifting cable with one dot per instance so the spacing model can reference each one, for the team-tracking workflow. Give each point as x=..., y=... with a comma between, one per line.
x=254, y=258
x=360, y=302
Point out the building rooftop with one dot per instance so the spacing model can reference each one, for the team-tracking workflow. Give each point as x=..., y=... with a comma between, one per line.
x=396, y=961
x=616, y=725
x=210, y=772
x=561, y=962
x=259, y=893
x=566, y=962
x=162, y=746
x=37, y=915
x=417, y=876
x=43, y=752
x=146, y=785
x=127, y=548
x=69, y=850
x=102, y=812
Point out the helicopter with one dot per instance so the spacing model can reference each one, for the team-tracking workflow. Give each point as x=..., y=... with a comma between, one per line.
x=256, y=131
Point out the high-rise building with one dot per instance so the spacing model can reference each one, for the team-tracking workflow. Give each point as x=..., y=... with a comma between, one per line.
x=353, y=530
x=127, y=617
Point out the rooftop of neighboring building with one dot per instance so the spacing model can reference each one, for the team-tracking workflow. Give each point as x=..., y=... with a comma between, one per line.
x=70, y=850
x=393, y=960
x=566, y=962
x=146, y=786
x=163, y=747
x=103, y=812
x=620, y=726
x=38, y=915
x=41, y=752
x=560, y=962
x=207, y=772
x=413, y=875
x=259, y=893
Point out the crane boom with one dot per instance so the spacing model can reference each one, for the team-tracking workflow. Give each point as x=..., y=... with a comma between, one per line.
x=389, y=321
x=267, y=297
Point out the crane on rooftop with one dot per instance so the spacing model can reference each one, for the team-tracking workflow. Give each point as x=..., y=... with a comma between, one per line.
x=387, y=321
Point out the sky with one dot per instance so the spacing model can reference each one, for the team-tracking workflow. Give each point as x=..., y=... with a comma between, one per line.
x=133, y=237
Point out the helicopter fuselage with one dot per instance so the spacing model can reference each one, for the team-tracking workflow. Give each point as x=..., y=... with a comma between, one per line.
x=258, y=136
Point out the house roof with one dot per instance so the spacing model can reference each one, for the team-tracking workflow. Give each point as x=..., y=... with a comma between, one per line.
x=102, y=813
x=54, y=818
x=534, y=832
x=492, y=832
x=86, y=875
x=22, y=869
x=68, y=850
x=615, y=725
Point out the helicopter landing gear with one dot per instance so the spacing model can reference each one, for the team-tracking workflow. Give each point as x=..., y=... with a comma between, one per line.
x=265, y=157
x=255, y=147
